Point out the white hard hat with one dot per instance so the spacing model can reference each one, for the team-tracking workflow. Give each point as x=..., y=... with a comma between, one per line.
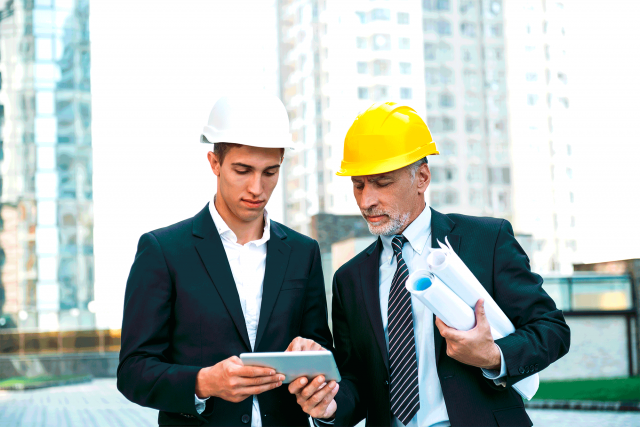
x=257, y=121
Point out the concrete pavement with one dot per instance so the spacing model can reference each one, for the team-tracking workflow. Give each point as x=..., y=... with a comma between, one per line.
x=99, y=404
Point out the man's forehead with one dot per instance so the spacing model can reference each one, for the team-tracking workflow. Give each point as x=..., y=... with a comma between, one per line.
x=376, y=177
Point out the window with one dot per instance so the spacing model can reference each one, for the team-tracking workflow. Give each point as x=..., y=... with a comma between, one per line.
x=447, y=148
x=499, y=175
x=446, y=100
x=319, y=131
x=564, y=101
x=362, y=68
x=571, y=197
x=446, y=76
x=380, y=15
x=436, y=198
x=532, y=99
x=475, y=197
x=448, y=124
x=562, y=77
x=467, y=6
x=532, y=77
x=495, y=30
x=450, y=174
x=380, y=92
x=429, y=26
x=443, y=4
x=405, y=93
x=381, y=42
x=471, y=79
x=472, y=125
x=495, y=7
x=445, y=52
x=444, y=28
x=404, y=43
x=472, y=102
x=429, y=52
x=434, y=124
x=474, y=173
x=405, y=68
x=431, y=76
x=451, y=197
x=474, y=147
x=361, y=42
x=468, y=29
x=403, y=18
x=363, y=93
x=381, y=67
x=569, y=173
x=362, y=17
x=503, y=201
x=437, y=174
x=469, y=54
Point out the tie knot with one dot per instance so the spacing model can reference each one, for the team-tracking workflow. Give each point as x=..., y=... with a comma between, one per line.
x=397, y=243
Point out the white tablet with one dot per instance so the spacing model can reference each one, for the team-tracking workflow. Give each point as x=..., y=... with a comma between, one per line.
x=296, y=364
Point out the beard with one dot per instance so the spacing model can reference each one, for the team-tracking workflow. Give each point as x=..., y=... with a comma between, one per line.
x=395, y=224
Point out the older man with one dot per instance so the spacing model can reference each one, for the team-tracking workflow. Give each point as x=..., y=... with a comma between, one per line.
x=390, y=347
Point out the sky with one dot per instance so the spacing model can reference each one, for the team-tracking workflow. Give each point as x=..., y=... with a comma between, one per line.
x=159, y=66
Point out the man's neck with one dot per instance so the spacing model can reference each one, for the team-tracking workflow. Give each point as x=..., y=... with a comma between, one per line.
x=245, y=231
x=415, y=214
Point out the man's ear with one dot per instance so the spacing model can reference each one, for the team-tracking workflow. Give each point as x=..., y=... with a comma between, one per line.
x=213, y=161
x=424, y=177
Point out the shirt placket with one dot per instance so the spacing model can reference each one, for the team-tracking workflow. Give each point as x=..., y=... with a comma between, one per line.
x=247, y=270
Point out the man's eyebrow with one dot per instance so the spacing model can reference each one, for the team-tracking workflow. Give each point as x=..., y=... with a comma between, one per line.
x=379, y=178
x=252, y=167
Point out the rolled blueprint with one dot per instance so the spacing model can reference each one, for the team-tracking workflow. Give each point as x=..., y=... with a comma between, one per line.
x=450, y=271
x=441, y=300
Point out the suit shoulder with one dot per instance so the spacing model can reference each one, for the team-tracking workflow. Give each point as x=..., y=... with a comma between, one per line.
x=293, y=236
x=484, y=222
x=173, y=230
x=356, y=260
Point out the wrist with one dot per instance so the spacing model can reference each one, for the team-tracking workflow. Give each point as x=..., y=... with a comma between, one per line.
x=495, y=361
x=202, y=390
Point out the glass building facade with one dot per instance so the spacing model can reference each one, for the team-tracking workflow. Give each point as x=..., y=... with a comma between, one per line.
x=46, y=207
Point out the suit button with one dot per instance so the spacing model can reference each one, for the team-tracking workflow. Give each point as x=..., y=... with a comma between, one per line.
x=386, y=383
x=536, y=366
x=246, y=419
x=532, y=368
x=521, y=370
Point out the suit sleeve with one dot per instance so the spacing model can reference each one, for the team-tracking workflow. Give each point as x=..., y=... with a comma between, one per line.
x=315, y=322
x=542, y=335
x=350, y=410
x=145, y=374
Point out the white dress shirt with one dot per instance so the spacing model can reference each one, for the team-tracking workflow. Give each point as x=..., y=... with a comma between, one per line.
x=433, y=411
x=247, y=264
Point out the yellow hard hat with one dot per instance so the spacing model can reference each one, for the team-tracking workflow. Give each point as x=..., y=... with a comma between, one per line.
x=386, y=137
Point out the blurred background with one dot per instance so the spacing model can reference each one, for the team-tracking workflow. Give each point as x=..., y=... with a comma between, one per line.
x=533, y=105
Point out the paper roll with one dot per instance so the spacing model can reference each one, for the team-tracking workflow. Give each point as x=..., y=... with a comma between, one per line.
x=441, y=300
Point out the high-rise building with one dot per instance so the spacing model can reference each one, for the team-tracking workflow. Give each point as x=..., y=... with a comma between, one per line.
x=444, y=58
x=46, y=228
x=540, y=131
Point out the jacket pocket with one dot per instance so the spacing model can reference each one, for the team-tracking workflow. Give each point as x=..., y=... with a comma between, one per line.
x=174, y=419
x=512, y=417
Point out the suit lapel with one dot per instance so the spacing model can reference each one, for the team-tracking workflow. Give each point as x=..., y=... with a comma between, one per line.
x=215, y=260
x=441, y=227
x=370, y=282
x=276, y=265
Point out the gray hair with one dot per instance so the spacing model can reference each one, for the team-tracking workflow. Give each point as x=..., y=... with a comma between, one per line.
x=413, y=167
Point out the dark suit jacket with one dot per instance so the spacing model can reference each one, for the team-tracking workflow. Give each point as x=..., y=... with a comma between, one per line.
x=489, y=249
x=182, y=312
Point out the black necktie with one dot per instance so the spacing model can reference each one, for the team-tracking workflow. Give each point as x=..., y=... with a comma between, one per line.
x=404, y=393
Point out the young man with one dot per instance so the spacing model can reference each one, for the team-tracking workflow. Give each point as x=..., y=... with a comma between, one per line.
x=225, y=282
x=389, y=347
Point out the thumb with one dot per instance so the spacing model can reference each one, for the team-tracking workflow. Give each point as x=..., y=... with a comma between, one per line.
x=481, y=316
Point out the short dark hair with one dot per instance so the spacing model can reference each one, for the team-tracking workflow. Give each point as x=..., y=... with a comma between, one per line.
x=220, y=149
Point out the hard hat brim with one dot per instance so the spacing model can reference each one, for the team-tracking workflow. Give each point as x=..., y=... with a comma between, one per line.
x=386, y=165
x=281, y=141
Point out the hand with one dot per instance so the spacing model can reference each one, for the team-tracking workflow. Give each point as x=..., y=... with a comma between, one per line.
x=317, y=398
x=303, y=344
x=474, y=347
x=232, y=381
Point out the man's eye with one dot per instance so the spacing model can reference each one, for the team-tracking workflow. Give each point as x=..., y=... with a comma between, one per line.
x=242, y=172
x=269, y=173
x=383, y=185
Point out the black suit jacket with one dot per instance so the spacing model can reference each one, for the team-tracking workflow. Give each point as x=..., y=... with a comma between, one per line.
x=489, y=249
x=182, y=313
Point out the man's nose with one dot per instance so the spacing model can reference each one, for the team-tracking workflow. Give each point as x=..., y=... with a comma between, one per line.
x=369, y=197
x=255, y=185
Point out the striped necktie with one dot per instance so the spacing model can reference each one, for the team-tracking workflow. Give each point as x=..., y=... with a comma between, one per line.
x=403, y=392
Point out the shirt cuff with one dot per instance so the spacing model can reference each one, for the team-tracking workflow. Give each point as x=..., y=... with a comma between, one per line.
x=200, y=404
x=497, y=376
x=321, y=423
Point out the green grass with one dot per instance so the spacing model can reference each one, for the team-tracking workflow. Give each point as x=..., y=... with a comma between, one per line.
x=603, y=390
x=37, y=380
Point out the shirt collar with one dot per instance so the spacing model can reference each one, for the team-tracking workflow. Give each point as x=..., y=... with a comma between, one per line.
x=228, y=234
x=417, y=234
